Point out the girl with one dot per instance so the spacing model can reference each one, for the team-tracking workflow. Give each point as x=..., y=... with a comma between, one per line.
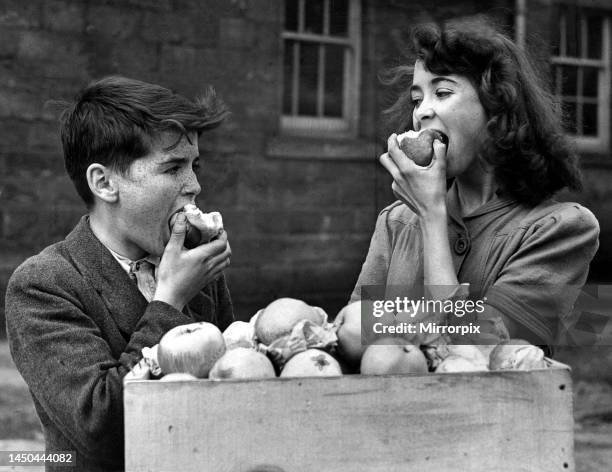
x=495, y=229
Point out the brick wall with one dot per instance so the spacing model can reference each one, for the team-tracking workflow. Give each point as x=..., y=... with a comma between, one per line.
x=298, y=227
x=541, y=23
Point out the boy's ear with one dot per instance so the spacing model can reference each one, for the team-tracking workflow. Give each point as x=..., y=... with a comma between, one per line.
x=102, y=183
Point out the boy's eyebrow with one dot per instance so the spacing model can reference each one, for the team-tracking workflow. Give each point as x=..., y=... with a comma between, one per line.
x=176, y=160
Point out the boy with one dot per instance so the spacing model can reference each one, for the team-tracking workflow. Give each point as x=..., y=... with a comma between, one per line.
x=79, y=313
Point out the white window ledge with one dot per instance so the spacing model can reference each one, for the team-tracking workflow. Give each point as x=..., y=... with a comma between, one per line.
x=298, y=147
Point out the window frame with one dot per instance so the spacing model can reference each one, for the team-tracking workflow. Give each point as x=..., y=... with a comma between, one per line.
x=601, y=142
x=347, y=125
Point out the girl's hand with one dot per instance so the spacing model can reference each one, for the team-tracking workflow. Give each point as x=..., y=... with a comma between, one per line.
x=422, y=189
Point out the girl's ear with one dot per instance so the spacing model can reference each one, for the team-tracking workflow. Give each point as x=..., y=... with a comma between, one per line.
x=102, y=183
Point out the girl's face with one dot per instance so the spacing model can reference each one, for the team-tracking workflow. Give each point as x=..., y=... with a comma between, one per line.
x=449, y=103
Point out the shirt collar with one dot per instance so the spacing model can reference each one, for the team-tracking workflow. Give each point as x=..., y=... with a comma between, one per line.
x=126, y=263
x=454, y=208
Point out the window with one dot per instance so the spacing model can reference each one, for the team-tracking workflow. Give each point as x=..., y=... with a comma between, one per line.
x=581, y=73
x=321, y=79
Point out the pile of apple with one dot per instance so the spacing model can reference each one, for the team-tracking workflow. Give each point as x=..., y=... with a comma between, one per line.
x=201, y=350
x=396, y=355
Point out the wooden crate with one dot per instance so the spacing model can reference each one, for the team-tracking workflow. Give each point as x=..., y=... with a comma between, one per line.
x=481, y=421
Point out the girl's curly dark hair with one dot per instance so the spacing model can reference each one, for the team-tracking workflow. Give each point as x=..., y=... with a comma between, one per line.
x=525, y=141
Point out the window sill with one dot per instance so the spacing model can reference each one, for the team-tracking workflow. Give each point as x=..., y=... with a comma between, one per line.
x=595, y=160
x=299, y=147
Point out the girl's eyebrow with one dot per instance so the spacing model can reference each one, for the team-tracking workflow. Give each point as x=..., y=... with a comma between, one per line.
x=434, y=81
x=442, y=78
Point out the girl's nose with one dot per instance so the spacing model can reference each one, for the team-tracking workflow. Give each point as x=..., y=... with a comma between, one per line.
x=424, y=111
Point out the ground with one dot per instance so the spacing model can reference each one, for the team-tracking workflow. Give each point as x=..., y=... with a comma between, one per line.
x=20, y=429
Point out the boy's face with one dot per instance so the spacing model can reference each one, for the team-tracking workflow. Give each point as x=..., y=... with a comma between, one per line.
x=152, y=190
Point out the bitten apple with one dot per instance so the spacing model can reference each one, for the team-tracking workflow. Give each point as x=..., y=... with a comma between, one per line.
x=418, y=145
x=201, y=227
x=191, y=348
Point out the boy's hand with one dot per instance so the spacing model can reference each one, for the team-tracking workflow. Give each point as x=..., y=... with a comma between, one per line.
x=182, y=273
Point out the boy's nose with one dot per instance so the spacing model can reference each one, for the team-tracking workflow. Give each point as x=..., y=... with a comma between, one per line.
x=192, y=187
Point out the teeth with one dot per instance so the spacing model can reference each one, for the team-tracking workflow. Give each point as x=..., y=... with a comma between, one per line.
x=191, y=208
x=407, y=134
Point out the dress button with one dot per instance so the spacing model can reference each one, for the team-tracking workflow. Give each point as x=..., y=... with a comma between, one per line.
x=461, y=245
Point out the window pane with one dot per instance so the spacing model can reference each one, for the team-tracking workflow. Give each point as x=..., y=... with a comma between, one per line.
x=555, y=39
x=338, y=18
x=589, y=119
x=572, y=28
x=314, y=16
x=288, y=77
x=556, y=78
x=334, y=79
x=569, y=109
x=595, y=26
x=590, y=84
x=309, y=59
x=569, y=80
x=291, y=15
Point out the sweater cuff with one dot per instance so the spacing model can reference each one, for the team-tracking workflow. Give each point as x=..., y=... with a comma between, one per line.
x=510, y=305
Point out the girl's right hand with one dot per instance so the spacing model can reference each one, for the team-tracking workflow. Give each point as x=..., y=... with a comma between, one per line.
x=422, y=189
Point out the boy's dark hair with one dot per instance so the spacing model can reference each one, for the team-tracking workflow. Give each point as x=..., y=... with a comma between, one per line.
x=525, y=141
x=114, y=121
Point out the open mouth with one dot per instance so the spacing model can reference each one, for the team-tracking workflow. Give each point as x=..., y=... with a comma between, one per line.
x=172, y=219
x=443, y=136
x=193, y=236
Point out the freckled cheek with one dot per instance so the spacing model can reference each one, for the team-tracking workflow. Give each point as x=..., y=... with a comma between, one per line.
x=150, y=209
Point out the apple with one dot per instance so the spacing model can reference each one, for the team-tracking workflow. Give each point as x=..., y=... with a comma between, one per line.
x=393, y=356
x=469, y=352
x=280, y=316
x=242, y=363
x=311, y=363
x=516, y=354
x=177, y=377
x=418, y=145
x=201, y=227
x=455, y=363
x=239, y=334
x=348, y=330
x=191, y=348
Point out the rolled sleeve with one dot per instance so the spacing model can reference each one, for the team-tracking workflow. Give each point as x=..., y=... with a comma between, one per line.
x=542, y=279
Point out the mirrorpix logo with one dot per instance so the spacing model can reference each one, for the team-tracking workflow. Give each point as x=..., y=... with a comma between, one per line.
x=419, y=312
x=590, y=322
